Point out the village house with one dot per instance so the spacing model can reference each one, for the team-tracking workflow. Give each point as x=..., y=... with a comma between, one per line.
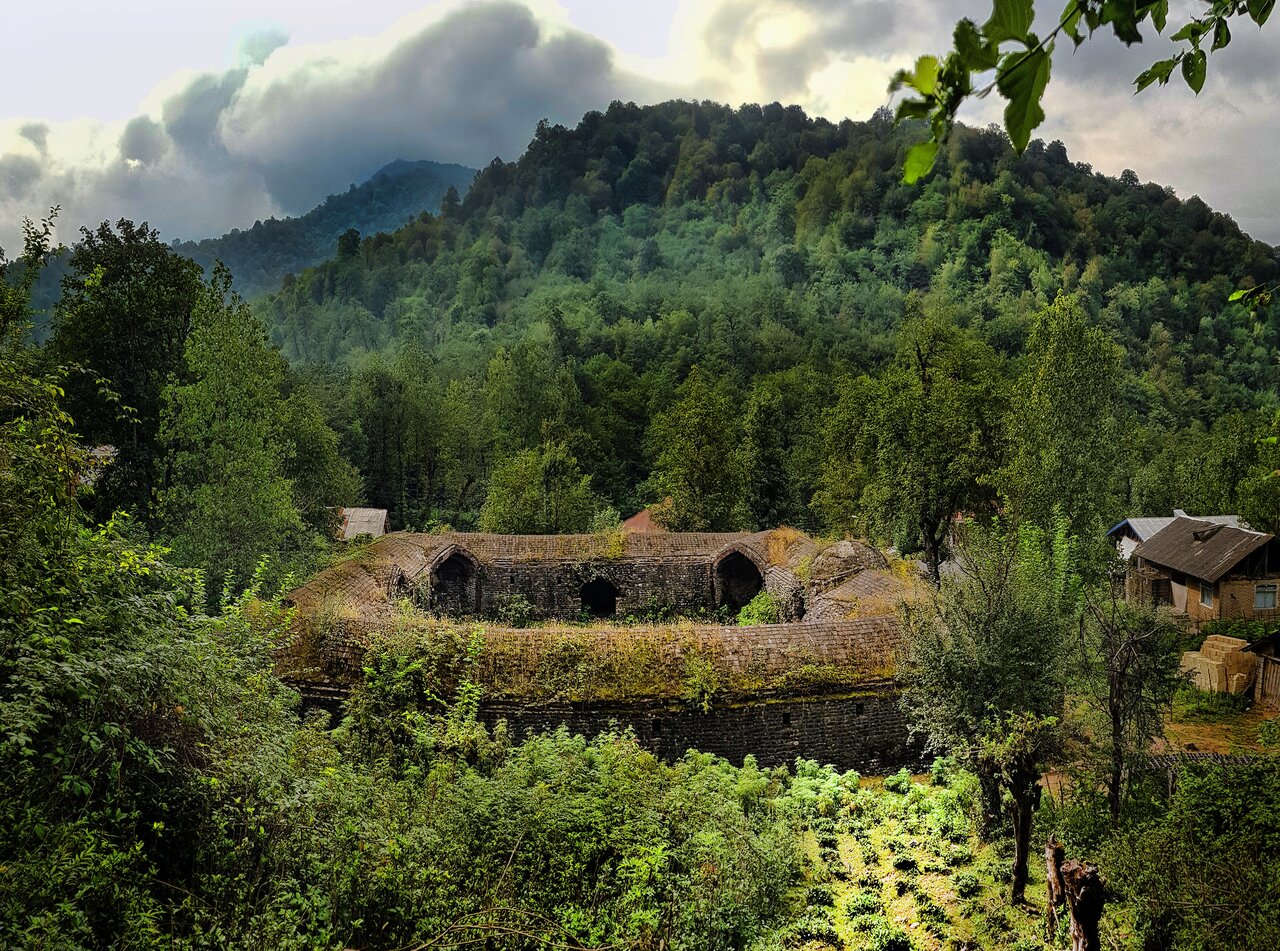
x=1207, y=571
x=1132, y=532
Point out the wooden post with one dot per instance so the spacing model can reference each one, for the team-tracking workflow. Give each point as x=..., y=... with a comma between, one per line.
x=1085, y=898
x=1053, y=858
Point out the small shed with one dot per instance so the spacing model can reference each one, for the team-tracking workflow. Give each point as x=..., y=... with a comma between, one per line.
x=1266, y=685
x=364, y=521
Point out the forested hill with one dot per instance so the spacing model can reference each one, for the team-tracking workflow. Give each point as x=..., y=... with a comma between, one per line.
x=798, y=232
x=570, y=293
x=263, y=254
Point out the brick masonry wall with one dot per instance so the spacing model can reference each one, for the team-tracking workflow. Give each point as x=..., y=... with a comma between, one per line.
x=867, y=732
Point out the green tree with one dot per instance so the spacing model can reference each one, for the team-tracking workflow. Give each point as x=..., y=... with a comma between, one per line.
x=539, y=491
x=913, y=449
x=1126, y=672
x=694, y=442
x=767, y=484
x=984, y=674
x=229, y=502
x=1063, y=429
x=322, y=479
x=126, y=310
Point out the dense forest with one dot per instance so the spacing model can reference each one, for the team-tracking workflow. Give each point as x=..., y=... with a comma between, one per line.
x=744, y=318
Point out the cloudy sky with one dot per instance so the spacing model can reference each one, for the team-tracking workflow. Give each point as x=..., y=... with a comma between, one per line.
x=203, y=121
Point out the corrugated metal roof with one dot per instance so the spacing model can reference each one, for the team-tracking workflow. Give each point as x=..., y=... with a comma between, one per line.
x=1148, y=526
x=363, y=521
x=1204, y=550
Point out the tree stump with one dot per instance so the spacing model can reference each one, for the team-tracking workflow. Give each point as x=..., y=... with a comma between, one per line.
x=1085, y=898
x=1054, y=854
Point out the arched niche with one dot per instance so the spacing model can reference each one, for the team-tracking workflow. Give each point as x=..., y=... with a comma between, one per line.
x=455, y=585
x=599, y=598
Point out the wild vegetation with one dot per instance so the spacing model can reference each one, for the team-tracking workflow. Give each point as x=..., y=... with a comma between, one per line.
x=744, y=312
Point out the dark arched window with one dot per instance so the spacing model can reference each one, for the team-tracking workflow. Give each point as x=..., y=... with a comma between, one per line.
x=455, y=586
x=599, y=598
x=738, y=580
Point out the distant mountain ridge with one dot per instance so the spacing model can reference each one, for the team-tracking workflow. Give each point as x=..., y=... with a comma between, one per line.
x=259, y=257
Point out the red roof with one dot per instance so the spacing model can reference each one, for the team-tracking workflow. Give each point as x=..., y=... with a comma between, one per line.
x=643, y=521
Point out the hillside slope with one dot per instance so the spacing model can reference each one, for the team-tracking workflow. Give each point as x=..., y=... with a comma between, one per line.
x=261, y=255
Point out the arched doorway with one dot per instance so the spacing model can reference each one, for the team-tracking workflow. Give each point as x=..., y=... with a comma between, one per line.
x=455, y=586
x=599, y=598
x=738, y=580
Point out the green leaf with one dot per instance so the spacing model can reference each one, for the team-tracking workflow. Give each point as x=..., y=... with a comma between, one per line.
x=1221, y=33
x=1191, y=32
x=1260, y=10
x=1022, y=80
x=919, y=161
x=923, y=79
x=1241, y=294
x=1010, y=20
x=975, y=52
x=1160, y=15
x=1193, y=69
x=912, y=109
x=1071, y=21
x=1160, y=71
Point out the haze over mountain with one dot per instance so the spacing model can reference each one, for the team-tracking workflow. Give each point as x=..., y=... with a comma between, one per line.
x=259, y=256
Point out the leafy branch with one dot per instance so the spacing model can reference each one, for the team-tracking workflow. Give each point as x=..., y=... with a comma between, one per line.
x=1021, y=75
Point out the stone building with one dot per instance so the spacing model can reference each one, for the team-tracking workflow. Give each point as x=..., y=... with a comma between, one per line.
x=602, y=576
x=817, y=684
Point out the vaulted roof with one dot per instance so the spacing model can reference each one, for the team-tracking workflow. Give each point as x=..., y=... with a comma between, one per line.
x=1201, y=549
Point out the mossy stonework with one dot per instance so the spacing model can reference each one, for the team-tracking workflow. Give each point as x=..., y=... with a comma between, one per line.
x=818, y=684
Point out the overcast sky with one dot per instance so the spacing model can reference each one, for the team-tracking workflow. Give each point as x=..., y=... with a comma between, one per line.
x=203, y=121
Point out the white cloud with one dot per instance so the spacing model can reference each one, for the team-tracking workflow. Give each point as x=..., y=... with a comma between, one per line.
x=461, y=81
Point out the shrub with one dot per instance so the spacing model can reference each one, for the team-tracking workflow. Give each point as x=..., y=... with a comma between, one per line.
x=1191, y=705
x=943, y=768
x=762, y=609
x=820, y=896
x=887, y=937
x=966, y=885
x=862, y=903
x=815, y=926
x=899, y=782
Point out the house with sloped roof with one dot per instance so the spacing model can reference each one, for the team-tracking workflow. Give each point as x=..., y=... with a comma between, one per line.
x=1132, y=532
x=1207, y=570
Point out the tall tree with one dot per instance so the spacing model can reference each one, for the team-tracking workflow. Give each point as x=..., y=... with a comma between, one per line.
x=984, y=675
x=126, y=310
x=1063, y=428
x=766, y=480
x=539, y=491
x=693, y=442
x=1128, y=668
x=913, y=449
x=229, y=502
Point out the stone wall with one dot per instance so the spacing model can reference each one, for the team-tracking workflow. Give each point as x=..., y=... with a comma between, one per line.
x=555, y=589
x=866, y=732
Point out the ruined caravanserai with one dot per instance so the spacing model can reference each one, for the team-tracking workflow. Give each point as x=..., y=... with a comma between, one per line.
x=623, y=630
